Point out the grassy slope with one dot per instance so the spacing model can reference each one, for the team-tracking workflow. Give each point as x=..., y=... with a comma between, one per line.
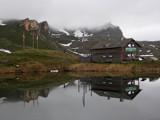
x=46, y=60
x=35, y=60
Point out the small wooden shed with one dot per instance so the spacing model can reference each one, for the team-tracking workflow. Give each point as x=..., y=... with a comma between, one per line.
x=117, y=51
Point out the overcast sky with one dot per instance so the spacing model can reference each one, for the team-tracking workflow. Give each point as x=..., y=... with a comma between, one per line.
x=139, y=19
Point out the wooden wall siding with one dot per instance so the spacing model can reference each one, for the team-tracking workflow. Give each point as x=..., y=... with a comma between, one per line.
x=103, y=55
x=125, y=54
x=104, y=50
x=115, y=85
x=119, y=54
x=107, y=84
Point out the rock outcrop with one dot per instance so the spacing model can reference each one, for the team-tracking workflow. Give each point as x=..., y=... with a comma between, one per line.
x=44, y=26
x=30, y=25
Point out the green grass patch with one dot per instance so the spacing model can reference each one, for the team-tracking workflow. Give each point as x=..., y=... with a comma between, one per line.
x=37, y=60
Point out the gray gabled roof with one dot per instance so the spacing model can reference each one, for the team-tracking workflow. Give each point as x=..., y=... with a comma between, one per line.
x=115, y=44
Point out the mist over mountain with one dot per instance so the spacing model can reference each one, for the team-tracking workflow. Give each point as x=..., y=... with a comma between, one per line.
x=79, y=40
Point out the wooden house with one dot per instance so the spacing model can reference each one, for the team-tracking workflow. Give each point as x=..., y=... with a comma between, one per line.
x=118, y=51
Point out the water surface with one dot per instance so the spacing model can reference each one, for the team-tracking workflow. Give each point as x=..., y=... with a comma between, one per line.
x=91, y=98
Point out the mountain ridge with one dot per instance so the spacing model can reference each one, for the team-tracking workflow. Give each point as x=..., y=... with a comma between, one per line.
x=55, y=39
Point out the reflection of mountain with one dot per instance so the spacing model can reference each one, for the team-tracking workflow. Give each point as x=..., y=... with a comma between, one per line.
x=122, y=88
x=22, y=95
x=30, y=95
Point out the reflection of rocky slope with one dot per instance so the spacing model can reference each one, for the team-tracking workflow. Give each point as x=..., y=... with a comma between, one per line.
x=23, y=95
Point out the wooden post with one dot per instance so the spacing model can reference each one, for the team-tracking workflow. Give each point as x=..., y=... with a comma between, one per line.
x=33, y=39
x=23, y=45
x=37, y=44
x=23, y=41
x=37, y=41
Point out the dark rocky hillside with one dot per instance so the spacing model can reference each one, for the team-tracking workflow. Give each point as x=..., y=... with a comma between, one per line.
x=11, y=35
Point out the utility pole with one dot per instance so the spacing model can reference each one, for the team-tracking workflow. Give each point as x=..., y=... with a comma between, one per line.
x=83, y=48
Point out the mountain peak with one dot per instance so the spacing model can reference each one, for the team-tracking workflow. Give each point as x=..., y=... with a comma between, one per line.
x=110, y=25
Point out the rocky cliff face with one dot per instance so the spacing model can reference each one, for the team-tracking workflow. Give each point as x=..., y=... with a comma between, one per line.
x=44, y=26
x=30, y=25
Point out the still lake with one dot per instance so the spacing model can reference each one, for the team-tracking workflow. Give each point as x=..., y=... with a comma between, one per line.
x=63, y=97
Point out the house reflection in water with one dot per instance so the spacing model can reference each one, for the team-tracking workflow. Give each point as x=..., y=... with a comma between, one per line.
x=120, y=88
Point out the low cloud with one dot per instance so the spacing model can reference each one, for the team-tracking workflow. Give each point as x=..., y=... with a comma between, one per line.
x=137, y=18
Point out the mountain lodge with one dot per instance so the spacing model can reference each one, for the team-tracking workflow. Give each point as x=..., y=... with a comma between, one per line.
x=118, y=51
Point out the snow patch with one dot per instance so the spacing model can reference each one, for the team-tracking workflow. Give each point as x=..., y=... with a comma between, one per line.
x=66, y=45
x=152, y=45
x=146, y=55
x=64, y=31
x=81, y=54
x=149, y=51
x=76, y=48
x=78, y=33
x=2, y=23
x=55, y=34
x=6, y=51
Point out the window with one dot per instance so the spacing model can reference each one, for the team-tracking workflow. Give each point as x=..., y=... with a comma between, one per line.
x=129, y=55
x=110, y=83
x=129, y=45
x=133, y=55
x=104, y=56
x=110, y=56
x=129, y=92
